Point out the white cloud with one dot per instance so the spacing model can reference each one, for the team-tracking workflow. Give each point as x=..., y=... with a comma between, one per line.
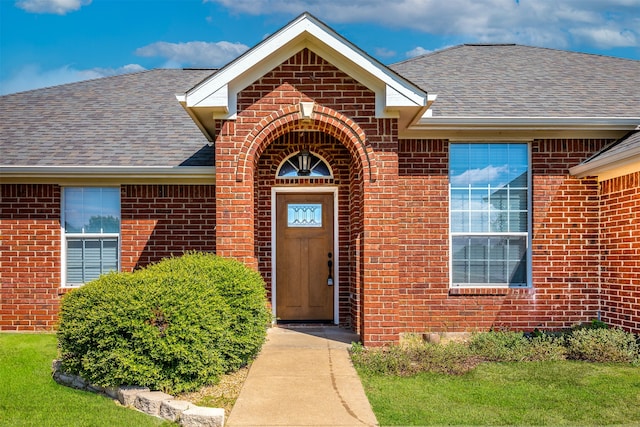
x=610, y=23
x=606, y=37
x=34, y=77
x=479, y=176
x=383, y=52
x=417, y=51
x=195, y=54
x=58, y=7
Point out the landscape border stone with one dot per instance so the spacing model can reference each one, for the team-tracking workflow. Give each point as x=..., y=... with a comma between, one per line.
x=154, y=403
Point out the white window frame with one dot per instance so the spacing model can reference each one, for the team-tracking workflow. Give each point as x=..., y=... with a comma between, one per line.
x=527, y=234
x=65, y=237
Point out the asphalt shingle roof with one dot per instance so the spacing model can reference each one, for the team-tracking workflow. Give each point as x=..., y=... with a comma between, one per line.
x=135, y=119
x=127, y=120
x=523, y=81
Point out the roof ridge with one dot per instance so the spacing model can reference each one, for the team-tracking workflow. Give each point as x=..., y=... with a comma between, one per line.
x=555, y=49
x=490, y=44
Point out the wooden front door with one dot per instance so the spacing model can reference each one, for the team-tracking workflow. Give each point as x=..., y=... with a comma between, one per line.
x=304, y=246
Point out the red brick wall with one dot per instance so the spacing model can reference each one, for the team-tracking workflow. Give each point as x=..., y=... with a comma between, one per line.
x=157, y=221
x=164, y=220
x=620, y=249
x=29, y=256
x=564, y=246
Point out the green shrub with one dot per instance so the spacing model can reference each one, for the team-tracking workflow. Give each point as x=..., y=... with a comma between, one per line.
x=453, y=358
x=590, y=343
x=243, y=291
x=174, y=326
x=391, y=360
x=507, y=346
x=500, y=346
x=603, y=345
x=547, y=347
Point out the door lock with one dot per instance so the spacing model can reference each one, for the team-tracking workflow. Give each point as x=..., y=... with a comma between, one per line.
x=330, y=264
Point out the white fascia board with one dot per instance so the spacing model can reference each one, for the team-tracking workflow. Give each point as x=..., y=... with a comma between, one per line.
x=182, y=100
x=366, y=63
x=601, y=167
x=393, y=98
x=543, y=123
x=112, y=174
x=244, y=63
x=218, y=99
x=304, y=32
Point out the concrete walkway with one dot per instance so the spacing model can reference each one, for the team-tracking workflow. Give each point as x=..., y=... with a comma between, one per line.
x=303, y=377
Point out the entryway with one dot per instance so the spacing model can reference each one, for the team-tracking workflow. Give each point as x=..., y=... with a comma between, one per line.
x=306, y=279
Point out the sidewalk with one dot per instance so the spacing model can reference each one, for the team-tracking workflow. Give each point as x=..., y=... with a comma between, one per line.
x=303, y=377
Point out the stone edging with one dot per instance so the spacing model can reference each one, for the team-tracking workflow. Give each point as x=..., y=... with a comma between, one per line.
x=154, y=403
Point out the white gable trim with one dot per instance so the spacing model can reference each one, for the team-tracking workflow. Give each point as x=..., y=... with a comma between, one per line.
x=219, y=92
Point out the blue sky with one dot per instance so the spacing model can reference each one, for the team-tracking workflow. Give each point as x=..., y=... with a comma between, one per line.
x=49, y=42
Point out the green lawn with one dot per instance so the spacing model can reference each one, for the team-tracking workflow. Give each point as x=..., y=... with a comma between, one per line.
x=527, y=393
x=30, y=397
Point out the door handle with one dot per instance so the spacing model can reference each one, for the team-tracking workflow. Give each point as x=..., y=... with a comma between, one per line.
x=330, y=264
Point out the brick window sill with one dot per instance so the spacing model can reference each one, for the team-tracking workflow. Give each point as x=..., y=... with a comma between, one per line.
x=488, y=291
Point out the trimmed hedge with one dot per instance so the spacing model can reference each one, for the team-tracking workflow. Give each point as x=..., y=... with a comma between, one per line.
x=173, y=326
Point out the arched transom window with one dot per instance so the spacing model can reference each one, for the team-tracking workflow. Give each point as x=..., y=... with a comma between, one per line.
x=304, y=164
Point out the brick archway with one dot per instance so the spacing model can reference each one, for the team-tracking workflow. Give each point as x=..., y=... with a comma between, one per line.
x=322, y=119
x=375, y=171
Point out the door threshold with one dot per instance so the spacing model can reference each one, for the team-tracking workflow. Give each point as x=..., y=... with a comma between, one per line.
x=303, y=323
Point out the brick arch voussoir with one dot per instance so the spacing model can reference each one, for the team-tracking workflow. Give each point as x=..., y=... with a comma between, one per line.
x=289, y=119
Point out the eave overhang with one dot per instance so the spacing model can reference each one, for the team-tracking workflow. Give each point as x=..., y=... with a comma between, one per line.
x=608, y=167
x=520, y=127
x=107, y=175
x=216, y=97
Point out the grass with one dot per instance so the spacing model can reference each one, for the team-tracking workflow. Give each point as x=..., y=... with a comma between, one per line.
x=526, y=393
x=30, y=397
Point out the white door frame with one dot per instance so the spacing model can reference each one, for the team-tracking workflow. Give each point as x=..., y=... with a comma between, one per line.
x=336, y=258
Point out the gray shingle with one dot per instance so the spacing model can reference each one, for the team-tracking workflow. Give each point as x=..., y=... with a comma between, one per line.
x=126, y=120
x=523, y=81
x=135, y=119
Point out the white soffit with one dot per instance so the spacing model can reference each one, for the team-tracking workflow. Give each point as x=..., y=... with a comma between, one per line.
x=219, y=93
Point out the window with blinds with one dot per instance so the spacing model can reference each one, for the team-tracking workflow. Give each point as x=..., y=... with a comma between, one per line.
x=91, y=218
x=489, y=208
